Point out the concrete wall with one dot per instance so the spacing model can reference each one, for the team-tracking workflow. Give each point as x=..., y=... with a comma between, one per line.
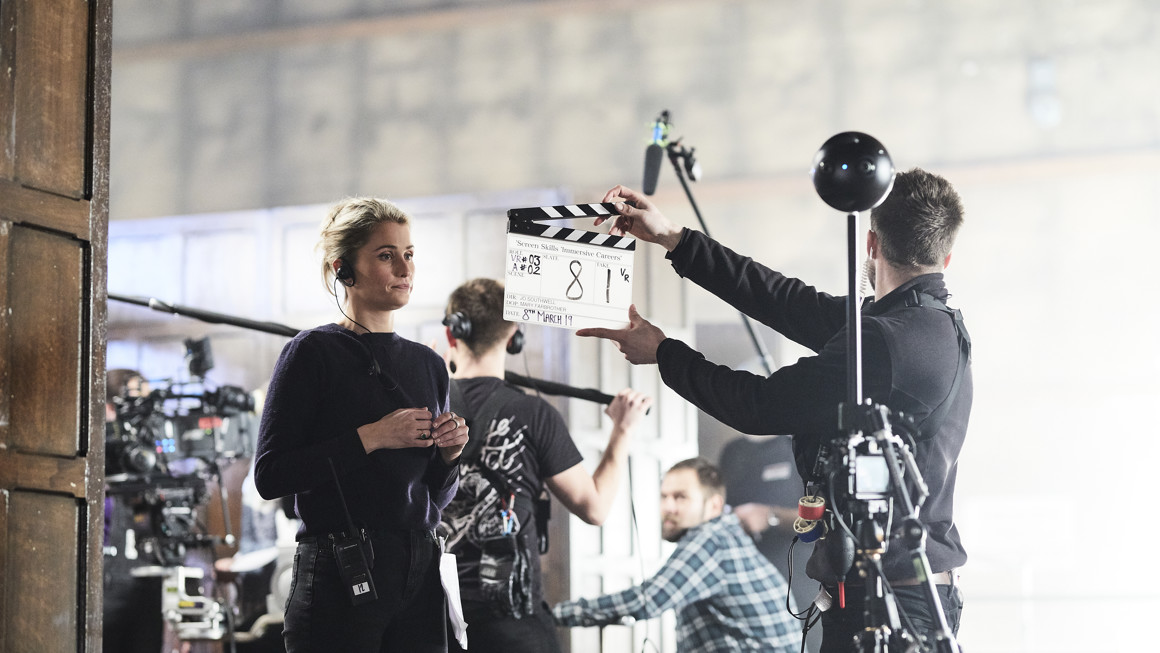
x=1045, y=113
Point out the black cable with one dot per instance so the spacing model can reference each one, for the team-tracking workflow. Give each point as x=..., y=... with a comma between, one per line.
x=810, y=618
x=834, y=509
x=339, y=304
x=890, y=590
x=804, y=615
x=354, y=532
x=811, y=611
x=528, y=372
x=635, y=539
x=809, y=624
x=376, y=370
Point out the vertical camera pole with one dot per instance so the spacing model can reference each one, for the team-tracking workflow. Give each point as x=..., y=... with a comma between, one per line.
x=853, y=315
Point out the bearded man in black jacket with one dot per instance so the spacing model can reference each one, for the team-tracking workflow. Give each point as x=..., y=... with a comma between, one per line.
x=911, y=358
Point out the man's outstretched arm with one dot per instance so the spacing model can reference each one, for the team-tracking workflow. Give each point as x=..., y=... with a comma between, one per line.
x=691, y=574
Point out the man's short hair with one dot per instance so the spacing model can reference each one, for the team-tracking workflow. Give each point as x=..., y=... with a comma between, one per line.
x=918, y=221
x=707, y=474
x=481, y=300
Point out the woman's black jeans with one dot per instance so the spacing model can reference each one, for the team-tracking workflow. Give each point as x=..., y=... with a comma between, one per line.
x=408, y=616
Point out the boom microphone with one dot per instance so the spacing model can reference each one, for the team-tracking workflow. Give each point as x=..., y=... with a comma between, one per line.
x=655, y=153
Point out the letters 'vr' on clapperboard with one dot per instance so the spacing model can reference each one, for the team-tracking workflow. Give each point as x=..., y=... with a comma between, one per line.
x=568, y=278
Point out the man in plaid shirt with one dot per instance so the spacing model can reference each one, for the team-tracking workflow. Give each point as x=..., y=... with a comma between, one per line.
x=728, y=597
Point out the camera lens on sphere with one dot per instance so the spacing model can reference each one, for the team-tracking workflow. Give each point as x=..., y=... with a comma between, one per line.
x=852, y=172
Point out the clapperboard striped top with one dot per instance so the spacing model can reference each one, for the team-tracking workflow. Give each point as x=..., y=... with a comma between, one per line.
x=525, y=221
x=565, y=211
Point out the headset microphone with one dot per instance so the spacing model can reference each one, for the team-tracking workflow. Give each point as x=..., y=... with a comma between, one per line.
x=345, y=275
x=375, y=369
x=654, y=154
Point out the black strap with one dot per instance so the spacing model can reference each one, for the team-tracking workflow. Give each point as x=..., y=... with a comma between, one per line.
x=931, y=425
x=342, y=499
x=543, y=512
x=365, y=547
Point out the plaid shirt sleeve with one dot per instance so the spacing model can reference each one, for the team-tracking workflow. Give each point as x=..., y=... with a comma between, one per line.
x=690, y=574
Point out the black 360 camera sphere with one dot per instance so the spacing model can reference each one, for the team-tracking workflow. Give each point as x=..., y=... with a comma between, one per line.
x=852, y=172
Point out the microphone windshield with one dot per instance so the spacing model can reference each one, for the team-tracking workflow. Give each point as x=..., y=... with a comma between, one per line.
x=653, y=155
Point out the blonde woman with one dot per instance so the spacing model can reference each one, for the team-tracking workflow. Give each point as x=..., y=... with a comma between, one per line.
x=356, y=421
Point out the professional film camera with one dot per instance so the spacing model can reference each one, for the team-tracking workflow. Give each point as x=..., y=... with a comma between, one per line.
x=163, y=451
x=173, y=423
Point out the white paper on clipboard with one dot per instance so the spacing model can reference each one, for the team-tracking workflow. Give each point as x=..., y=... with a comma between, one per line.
x=563, y=277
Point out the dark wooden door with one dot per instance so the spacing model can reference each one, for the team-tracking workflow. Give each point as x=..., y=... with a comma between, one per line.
x=54, y=134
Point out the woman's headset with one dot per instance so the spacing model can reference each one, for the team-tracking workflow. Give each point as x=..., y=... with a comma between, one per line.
x=344, y=273
x=460, y=326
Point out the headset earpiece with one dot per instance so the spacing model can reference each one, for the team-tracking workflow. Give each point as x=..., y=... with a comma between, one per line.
x=515, y=344
x=460, y=325
x=344, y=273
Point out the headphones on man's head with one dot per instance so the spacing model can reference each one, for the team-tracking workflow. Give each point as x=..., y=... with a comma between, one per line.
x=460, y=325
x=461, y=329
x=515, y=344
x=344, y=273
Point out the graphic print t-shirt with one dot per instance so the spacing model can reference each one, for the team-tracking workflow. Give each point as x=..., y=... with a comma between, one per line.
x=526, y=443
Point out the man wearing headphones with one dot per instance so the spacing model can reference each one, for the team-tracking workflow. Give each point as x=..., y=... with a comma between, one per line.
x=518, y=446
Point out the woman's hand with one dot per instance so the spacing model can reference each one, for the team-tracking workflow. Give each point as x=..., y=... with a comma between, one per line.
x=450, y=435
x=404, y=428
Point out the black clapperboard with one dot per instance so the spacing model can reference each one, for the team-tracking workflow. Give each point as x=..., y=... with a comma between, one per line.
x=563, y=277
